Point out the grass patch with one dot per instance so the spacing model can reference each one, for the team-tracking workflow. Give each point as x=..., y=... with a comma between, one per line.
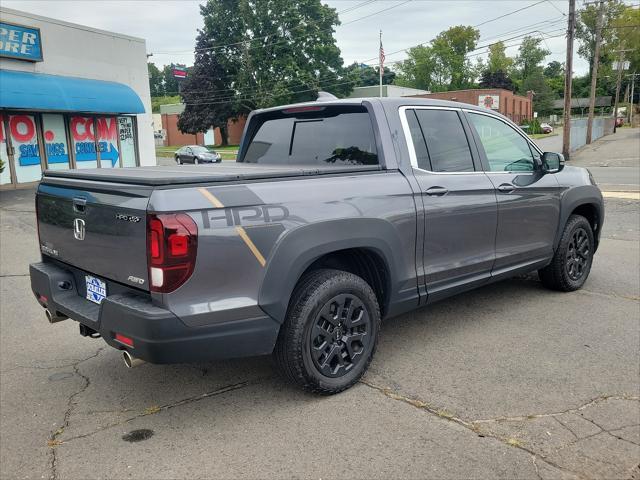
x=536, y=136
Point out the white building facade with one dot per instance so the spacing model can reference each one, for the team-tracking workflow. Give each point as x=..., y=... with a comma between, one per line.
x=70, y=97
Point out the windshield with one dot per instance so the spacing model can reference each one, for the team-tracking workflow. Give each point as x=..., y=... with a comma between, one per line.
x=200, y=150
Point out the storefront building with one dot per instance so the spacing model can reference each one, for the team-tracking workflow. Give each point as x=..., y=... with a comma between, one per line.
x=70, y=97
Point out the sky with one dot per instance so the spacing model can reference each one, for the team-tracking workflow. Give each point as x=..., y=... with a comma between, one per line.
x=170, y=27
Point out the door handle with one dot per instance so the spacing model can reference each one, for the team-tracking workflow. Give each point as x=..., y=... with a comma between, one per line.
x=436, y=191
x=506, y=188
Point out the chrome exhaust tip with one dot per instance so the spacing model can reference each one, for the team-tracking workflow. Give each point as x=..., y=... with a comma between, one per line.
x=130, y=361
x=54, y=317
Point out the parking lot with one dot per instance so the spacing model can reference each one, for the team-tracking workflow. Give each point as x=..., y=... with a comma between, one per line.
x=508, y=381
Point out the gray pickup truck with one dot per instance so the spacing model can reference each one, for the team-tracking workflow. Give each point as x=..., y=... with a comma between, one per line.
x=336, y=214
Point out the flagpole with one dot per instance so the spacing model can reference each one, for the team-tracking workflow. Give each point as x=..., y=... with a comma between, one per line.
x=380, y=63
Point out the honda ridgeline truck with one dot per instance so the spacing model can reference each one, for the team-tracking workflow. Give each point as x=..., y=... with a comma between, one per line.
x=335, y=215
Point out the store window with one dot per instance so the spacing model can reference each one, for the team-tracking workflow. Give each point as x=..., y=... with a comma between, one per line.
x=24, y=140
x=108, y=142
x=5, y=176
x=84, y=141
x=55, y=141
x=127, y=143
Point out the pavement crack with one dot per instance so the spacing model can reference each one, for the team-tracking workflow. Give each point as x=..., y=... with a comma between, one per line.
x=565, y=426
x=593, y=401
x=54, y=441
x=179, y=403
x=448, y=416
x=71, y=362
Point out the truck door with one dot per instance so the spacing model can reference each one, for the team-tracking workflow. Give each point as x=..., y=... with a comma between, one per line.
x=528, y=199
x=458, y=198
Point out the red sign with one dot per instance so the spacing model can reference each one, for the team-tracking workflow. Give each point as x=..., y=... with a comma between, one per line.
x=179, y=72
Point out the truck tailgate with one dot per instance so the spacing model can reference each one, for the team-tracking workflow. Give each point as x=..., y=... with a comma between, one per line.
x=97, y=227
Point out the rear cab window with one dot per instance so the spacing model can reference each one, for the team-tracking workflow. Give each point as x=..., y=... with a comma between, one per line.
x=340, y=136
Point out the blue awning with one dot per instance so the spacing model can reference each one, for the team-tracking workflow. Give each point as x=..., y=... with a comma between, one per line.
x=40, y=92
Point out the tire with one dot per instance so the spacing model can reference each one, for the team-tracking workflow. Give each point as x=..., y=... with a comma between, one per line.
x=330, y=334
x=195, y=161
x=570, y=266
x=178, y=161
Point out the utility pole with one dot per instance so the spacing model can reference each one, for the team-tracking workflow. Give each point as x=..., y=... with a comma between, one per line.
x=618, y=83
x=594, y=71
x=566, y=130
x=381, y=62
x=633, y=84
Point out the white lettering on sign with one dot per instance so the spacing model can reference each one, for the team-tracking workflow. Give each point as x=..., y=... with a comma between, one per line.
x=21, y=42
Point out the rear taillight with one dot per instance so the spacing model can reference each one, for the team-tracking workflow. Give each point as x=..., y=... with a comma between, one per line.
x=172, y=243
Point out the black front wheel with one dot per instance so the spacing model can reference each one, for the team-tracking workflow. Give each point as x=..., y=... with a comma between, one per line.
x=329, y=336
x=572, y=260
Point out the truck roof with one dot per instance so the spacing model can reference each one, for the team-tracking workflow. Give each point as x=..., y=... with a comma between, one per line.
x=389, y=102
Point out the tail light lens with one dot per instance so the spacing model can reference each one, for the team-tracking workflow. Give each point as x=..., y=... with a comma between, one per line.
x=172, y=243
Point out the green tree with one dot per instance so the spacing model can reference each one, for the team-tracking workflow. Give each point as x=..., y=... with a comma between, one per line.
x=366, y=75
x=267, y=52
x=586, y=30
x=554, y=77
x=203, y=93
x=417, y=71
x=498, y=60
x=543, y=95
x=450, y=49
x=529, y=59
x=497, y=79
x=156, y=86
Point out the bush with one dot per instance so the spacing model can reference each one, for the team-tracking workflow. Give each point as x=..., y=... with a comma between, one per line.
x=1, y=166
x=533, y=126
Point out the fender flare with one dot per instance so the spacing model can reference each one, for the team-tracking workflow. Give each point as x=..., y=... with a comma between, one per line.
x=574, y=198
x=300, y=247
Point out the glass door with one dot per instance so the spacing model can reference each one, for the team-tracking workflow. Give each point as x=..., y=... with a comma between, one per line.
x=108, y=142
x=55, y=141
x=5, y=176
x=84, y=141
x=25, y=146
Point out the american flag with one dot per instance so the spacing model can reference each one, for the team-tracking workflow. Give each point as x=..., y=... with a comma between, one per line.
x=381, y=56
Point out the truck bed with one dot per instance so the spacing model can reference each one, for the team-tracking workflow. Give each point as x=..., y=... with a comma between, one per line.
x=226, y=172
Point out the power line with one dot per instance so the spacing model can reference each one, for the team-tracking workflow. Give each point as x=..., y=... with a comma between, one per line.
x=218, y=94
x=251, y=40
x=224, y=98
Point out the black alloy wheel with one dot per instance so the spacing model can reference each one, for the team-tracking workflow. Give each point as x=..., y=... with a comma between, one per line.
x=571, y=263
x=339, y=335
x=578, y=254
x=330, y=332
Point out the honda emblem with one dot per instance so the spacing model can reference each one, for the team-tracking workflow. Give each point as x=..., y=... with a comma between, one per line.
x=78, y=229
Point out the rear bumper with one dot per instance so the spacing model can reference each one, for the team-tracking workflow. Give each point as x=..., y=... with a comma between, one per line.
x=158, y=335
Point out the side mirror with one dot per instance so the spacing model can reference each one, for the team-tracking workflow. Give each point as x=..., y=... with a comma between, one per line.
x=552, y=162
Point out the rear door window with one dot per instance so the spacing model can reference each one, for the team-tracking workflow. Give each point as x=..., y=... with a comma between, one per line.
x=323, y=136
x=446, y=143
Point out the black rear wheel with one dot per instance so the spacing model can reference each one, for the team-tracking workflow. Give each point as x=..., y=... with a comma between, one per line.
x=572, y=260
x=329, y=336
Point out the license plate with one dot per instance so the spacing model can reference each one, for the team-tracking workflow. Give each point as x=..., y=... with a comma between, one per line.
x=96, y=289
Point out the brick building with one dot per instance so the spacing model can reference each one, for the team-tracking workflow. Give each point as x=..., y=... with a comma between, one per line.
x=174, y=137
x=516, y=107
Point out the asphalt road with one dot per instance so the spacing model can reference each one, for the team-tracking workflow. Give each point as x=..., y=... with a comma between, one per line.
x=509, y=381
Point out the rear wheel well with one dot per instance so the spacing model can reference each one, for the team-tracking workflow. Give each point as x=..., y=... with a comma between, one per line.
x=363, y=262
